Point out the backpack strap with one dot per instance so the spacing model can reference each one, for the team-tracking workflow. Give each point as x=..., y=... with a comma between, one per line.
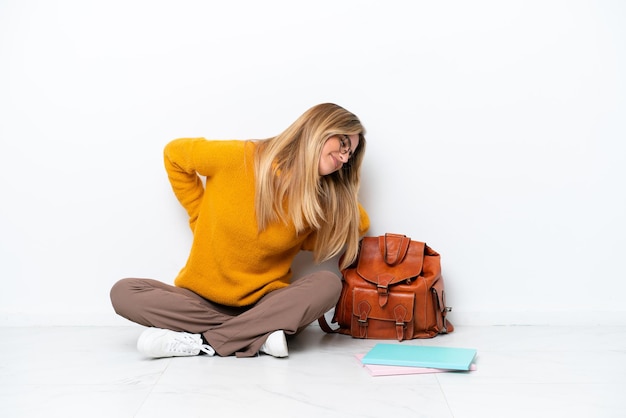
x=363, y=310
x=324, y=325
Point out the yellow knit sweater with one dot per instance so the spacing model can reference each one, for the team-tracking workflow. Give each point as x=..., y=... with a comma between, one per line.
x=230, y=262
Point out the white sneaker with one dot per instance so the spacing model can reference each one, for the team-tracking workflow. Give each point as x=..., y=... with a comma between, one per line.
x=275, y=345
x=157, y=342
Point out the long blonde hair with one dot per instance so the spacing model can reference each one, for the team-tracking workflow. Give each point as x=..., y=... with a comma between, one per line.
x=289, y=187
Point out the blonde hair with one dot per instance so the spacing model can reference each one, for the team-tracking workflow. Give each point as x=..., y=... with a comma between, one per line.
x=289, y=187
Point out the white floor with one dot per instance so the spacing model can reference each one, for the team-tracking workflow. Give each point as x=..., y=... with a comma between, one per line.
x=522, y=372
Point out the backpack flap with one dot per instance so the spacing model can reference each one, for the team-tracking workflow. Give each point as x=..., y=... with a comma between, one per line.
x=389, y=259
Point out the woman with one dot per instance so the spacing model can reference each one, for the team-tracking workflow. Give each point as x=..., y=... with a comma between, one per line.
x=260, y=204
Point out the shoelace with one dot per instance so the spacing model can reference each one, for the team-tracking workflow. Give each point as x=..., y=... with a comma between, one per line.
x=186, y=343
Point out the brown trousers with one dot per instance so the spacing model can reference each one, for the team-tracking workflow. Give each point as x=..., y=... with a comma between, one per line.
x=229, y=330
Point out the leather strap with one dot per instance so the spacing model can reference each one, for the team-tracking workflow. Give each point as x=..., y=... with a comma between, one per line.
x=393, y=247
x=383, y=288
x=324, y=325
x=399, y=313
x=363, y=310
x=442, y=322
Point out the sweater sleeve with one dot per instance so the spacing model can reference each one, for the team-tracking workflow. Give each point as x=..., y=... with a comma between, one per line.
x=364, y=222
x=187, y=160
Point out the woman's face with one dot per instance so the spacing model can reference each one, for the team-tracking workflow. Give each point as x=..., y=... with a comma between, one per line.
x=336, y=152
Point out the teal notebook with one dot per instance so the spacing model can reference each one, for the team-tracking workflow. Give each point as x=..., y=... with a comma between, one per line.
x=420, y=356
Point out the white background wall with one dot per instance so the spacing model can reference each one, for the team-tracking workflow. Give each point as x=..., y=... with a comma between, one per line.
x=496, y=133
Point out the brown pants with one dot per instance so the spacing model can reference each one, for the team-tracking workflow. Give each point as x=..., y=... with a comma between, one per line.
x=229, y=330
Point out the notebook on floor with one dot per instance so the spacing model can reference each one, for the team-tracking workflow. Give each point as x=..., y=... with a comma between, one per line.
x=452, y=358
x=380, y=370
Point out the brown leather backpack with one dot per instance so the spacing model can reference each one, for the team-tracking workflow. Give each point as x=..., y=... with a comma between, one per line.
x=394, y=290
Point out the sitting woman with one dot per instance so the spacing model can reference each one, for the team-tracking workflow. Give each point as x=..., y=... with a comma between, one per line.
x=261, y=202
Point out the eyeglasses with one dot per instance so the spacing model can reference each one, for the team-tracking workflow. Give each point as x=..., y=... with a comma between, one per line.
x=344, y=145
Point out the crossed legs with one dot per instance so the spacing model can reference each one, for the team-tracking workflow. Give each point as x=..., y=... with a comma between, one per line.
x=228, y=330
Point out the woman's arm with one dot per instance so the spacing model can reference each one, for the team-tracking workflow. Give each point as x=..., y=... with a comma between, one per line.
x=182, y=174
x=188, y=160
